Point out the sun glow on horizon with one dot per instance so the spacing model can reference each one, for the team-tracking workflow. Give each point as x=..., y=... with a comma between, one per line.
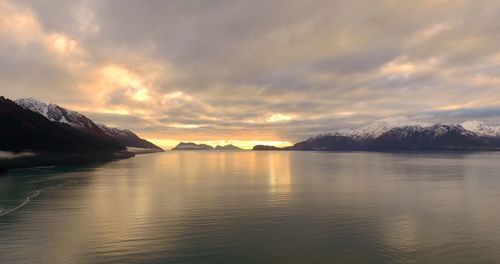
x=168, y=144
x=206, y=85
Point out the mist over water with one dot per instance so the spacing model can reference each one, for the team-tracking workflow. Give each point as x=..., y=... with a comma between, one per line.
x=256, y=207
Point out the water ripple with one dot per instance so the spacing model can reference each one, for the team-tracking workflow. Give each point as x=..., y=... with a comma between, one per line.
x=25, y=202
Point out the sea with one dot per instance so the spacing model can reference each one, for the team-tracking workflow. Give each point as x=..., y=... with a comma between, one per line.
x=256, y=207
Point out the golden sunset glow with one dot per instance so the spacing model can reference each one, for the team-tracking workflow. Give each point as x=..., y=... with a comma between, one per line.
x=244, y=144
x=117, y=77
x=279, y=118
x=278, y=82
x=249, y=131
x=62, y=44
x=17, y=21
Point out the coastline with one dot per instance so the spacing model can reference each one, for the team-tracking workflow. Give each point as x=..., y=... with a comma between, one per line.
x=60, y=159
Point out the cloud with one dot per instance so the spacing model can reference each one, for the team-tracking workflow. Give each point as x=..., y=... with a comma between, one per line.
x=267, y=70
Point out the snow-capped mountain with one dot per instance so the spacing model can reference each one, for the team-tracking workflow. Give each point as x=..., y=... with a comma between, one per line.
x=49, y=143
x=481, y=128
x=114, y=131
x=403, y=135
x=59, y=114
x=128, y=138
x=82, y=123
x=379, y=127
x=26, y=130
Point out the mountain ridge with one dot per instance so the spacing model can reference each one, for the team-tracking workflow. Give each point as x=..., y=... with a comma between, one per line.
x=48, y=142
x=60, y=114
x=227, y=147
x=129, y=138
x=383, y=136
x=194, y=146
x=80, y=122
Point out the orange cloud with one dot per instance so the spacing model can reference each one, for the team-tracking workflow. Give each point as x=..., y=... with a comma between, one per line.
x=20, y=23
x=61, y=44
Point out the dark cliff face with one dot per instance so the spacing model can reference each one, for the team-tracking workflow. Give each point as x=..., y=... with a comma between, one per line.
x=23, y=130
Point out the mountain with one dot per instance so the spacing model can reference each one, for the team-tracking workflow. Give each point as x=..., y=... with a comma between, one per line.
x=481, y=128
x=436, y=137
x=23, y=130
x=192, y=146
x=227, y=147
x=379, y=127
x=403, y=136
x=62, y=115
x=265, y=147
x=129, y=139
x=328, y=142
x=80, y=122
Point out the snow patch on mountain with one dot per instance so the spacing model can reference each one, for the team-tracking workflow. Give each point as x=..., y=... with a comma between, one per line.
x=406, y=126
x=111, y=131
x=56, y=113
x=379, y=127
x=442, y=129
x=480, y=128
x=130, y=140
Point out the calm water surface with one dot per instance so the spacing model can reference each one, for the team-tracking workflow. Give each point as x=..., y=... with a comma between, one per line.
x=256, y=207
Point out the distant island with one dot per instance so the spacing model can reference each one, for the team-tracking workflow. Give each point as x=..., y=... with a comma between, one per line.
x=399, y=136
x=227, y=147
x=194, y=146
x=39, y=134
x=266, y=147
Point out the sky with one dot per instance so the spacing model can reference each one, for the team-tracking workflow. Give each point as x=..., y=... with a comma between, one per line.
x=253, y=72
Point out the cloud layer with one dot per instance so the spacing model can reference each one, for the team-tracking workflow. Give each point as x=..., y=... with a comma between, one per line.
x=254, y=70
